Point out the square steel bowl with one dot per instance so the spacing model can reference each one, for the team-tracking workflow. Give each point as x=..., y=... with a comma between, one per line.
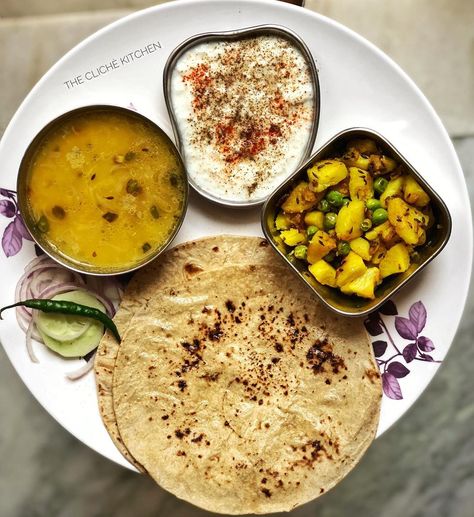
x=437, y=235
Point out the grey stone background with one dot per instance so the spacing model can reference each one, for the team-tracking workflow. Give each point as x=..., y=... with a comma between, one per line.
x=424, y=466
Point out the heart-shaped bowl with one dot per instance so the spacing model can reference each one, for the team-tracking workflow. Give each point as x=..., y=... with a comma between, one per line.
x=204, y=119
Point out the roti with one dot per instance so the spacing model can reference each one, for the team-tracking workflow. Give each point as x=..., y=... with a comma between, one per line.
x=240, y=393
x=175, y=266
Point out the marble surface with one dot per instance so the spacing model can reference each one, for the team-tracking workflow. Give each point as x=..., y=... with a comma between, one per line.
x=432, y=40
x=422, y=467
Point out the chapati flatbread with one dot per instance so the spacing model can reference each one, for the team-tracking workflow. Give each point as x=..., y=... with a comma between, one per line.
x=238, y=392
x=175, y=266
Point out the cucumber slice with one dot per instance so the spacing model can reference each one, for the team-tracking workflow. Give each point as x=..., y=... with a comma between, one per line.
x=75, y=346
x=62, y=327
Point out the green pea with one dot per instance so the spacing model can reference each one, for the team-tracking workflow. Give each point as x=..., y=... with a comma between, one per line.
x=415, y=257
x=133, y=187
x=379, y=216
x=366, y=225
x=311, y=230
x=323, y=206
x=335, y=198
x=330, y=257
x=345, y=201
x=301, y=251
x=380, y=184
x=330, y=220
x=154, y=212
x=291, y=257
x=43, y=224
x=373, y=204
x=343, y=248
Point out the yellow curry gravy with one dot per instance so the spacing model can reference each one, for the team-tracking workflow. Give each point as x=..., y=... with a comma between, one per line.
x=106, y=188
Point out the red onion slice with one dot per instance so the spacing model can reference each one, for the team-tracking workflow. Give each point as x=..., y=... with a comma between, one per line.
x=24, y=324
x=80, y=372
x=36, y=261
x=29, y=344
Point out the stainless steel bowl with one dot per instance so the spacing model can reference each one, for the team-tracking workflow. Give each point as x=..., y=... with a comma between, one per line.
x=260, y=30
x=345, y=305
x=25, y=209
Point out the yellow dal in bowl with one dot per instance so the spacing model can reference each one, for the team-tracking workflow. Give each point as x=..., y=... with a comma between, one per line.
x=106, y=189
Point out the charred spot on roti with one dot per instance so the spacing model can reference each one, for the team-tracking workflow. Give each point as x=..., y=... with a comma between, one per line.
x=230, y=306
x=182, y=385
x=192, y=269
x=211, y=377
x=320, y=355
x=372, y=374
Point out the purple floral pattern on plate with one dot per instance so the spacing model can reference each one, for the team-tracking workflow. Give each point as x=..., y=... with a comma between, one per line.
x=15, y=232
x=391, y=367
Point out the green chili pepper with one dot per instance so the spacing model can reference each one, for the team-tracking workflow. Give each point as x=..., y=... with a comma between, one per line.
x=65, y=307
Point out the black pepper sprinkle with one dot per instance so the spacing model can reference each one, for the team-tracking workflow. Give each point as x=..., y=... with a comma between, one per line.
x=255, y=132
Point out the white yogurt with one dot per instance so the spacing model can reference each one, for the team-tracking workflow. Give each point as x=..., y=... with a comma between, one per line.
x=244, y=111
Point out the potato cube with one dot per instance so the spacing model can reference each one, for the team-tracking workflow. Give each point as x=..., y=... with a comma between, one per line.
x=414, y=194
x=375, y=232
x=361, y=184
x=361, y=246
x=353, y=158
x=292, y=237
x=363, y=146
x=326, y=173
x=363, y=285
x=385, y=232
x=409, y=222
x=349, y=220
x=352, y=267
x=300, y=199
x=314, y=218
x=321, y=244
x=378, y=251
x=324, y=273
x=394, y=189
x=396, y=260
x=282, y=221
x=380, y=164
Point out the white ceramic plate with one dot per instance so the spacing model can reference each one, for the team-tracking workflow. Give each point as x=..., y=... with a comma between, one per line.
x=123, y=64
